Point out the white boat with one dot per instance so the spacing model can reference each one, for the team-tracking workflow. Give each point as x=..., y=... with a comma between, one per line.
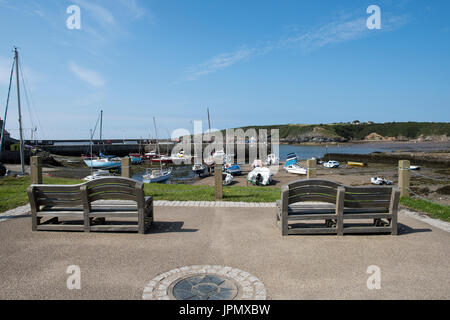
x=157, y=176
x=199, y=168
x=181, y=158
x=260, y=176
x=295, y=168
x=227, y=178
x=414, y=168
x=257, y=164
x=380, y=181
x=331, y=164
x=97, y=175
x=272, y=159
x=209, y=161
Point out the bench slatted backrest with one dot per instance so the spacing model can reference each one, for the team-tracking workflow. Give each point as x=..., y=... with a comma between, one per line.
x=115, y=188
x=57, y=195
x=368, y=197
x=313, y=190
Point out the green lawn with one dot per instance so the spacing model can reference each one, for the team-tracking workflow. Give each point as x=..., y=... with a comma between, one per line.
x=434, y=210
x=13, y=192
x=182, y=192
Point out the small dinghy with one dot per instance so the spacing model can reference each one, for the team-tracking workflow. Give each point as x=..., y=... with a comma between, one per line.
x=414, y=168
x=331, y=164
x=157, y=176
x=272, y=160
x=199, y=169
x=97, y=175
x=233, y=169
x=260, y=176
x=257, y=164
x=380, y=181
x=227, y=178
x=296, y=169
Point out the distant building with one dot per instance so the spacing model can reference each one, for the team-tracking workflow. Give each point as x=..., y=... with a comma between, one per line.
x=356, y=122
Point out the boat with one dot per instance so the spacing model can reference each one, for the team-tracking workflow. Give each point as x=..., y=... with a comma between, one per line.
x=209, y=161
x=162, y=159
x=414, y=168
x=149, y=155
x=199, y=168
x=102, y=163
x=356, y=164
x=291, y=159
x=295, y=168
x=331, y=164
x=157, y=176
x=97, y=175
x=227, y=178
x=272, y=159
x=181, y=158
x=104, y=156
x=233, y=169
x=136, y=158
x=380, y=181
x=257, y=164
x=260, y=176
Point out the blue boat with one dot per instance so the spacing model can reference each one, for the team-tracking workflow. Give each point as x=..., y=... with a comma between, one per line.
x=135, y=159
x=234, y=169
x=102, y=163
x=106, y=156
x=291, y=159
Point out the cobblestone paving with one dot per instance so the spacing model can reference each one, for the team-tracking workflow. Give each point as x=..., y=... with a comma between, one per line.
x=249, y=286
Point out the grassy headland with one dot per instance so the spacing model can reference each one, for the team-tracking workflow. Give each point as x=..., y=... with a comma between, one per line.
x=341, y=132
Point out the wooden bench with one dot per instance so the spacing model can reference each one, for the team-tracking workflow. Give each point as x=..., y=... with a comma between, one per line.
x=83, y=207
x=337, y=209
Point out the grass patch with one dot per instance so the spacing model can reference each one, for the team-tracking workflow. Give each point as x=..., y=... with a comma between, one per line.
x=13, y=190
x=434, y=210
x=182, y=192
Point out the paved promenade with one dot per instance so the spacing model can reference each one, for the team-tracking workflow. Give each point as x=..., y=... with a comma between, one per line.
x=414, y=265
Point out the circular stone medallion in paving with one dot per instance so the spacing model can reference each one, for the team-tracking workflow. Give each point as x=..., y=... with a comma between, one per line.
x=205, y=282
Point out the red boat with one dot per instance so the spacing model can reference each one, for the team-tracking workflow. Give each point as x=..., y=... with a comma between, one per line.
x=162, y=159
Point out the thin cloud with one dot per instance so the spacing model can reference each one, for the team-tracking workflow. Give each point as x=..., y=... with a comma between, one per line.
x=218, y=62
x=102, y=15
x=342, y=29
x=89, y=76
x=132, y=6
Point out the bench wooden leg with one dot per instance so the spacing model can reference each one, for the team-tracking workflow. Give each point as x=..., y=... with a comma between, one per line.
x=284, y=223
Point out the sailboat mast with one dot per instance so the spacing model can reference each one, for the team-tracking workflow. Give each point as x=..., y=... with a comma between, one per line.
x=209, y=120
x=16, y=56
x=6, y=109
x=101, y=124
x=157, y=144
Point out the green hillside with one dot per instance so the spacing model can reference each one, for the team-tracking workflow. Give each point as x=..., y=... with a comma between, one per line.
x=349, y=131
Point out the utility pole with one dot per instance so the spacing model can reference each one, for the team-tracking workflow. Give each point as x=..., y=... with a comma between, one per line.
x=22, y=160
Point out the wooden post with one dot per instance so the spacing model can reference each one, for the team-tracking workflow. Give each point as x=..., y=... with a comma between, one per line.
x=218, y=181
x=404, y=177
x=126, y=170
x=36, y=170
x=311, y=169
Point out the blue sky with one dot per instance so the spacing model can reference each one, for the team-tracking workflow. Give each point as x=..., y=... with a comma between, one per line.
x=251, y=62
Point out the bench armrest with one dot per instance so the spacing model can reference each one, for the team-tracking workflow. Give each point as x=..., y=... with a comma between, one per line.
x=148, y=201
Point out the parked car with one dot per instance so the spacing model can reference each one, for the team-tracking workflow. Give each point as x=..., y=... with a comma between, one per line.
x=331, y=164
